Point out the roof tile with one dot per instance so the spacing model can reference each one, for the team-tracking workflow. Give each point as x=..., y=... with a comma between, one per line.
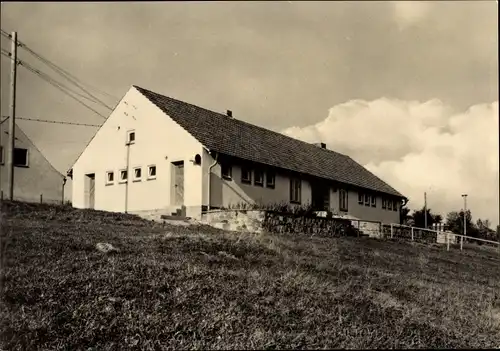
x=237, y=138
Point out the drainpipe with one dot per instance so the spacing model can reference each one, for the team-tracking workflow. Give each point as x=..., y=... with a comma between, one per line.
x=128, y=177
x=64, y=183
x=405, y=201
x=210, y=178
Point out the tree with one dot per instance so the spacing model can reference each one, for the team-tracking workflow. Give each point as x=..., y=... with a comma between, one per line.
x=484, y=230
x=404, y=215
x=455, y=223
x=419, y=218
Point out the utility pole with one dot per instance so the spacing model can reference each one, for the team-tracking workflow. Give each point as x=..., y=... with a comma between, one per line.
x=465, y=219
x=425, y=210
x=12, y=120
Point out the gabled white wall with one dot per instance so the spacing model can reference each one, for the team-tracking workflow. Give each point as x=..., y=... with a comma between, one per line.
x=39, y=181
x=159, y=141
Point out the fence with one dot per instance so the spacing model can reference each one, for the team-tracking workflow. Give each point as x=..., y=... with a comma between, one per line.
x=36, y=199
x=404, y=232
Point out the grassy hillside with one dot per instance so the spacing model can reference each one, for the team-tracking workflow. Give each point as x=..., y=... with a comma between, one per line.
x=197, y=287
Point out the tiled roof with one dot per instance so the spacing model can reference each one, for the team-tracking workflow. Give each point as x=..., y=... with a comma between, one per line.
x=233, y=137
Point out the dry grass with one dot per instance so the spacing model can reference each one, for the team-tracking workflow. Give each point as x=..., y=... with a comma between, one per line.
x=201, y=288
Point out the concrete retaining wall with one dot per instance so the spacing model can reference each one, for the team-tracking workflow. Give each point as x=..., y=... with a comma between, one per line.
x=257, y=221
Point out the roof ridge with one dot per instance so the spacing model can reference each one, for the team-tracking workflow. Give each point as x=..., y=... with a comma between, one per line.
x=241, y=121
x=263, y=145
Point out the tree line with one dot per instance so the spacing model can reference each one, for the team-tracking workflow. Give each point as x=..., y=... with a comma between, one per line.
x=453, y=222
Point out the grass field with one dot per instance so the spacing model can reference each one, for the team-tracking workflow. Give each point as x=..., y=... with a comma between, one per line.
x=200, y=288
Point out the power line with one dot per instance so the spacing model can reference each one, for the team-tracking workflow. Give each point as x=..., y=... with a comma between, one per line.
x=64, y=73
x=60, y=70
x=55, y=122
x=46, y=76
x=53, y=83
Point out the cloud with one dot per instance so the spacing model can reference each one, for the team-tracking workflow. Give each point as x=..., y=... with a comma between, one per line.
x=408, y=13
x=420, y=147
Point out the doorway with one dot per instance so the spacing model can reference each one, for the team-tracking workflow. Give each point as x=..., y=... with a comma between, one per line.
x=89, y=188
x=178, y=183
x=320, y=195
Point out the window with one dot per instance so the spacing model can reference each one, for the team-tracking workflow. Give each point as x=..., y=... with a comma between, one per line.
x=131, y=137
x=395, y=206
x=246, y=175
x=152, y=172
x=367, y=200
x=373, y=201
x=384, y=204
x=389, y=205
x=20, y=157
x=270, y=179
x=123, y=175
x=360, y=198
x=258, y=177
x=343, y=203
x=226, y=171
x=110, y=177
x=295, y=187
x=1, y=155
x=137, y=174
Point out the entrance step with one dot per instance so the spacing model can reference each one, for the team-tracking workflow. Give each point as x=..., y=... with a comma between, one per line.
x=175, y=217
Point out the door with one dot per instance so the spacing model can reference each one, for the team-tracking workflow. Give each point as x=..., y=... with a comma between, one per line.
x=320, y=196
x=179, y=183
x=90, y=190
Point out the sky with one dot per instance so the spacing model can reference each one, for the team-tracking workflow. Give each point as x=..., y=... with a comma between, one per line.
x=408, y=89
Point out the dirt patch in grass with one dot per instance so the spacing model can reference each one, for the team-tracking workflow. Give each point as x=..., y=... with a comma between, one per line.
x=201, y=288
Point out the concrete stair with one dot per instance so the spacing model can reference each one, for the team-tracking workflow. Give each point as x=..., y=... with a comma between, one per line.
x=171, y=212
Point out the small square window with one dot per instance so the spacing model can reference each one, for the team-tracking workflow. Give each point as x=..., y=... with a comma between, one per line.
x=152, y=172
x=360, y=198
x=373, y=201
x=110, y=177
x=389, y=205
x=246, y=175
x=137, y=174
x=131, y=137
x=258, y=177
x=226, y=171
x=1, y=155
x=20, y=157
x=367, y=200
x=384, y=204
x=270, y=179
x=123, y=175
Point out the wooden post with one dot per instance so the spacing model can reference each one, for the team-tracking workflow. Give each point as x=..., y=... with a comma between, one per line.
x=62, y=196
x=447, y=241
x=12, y=118
x=41, y=198
x=461, y=242
x=411, y=233
x=392, y=231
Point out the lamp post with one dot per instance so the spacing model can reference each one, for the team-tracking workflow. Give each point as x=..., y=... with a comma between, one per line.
x=465, y=219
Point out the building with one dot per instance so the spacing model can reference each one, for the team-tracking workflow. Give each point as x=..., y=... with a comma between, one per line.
x=155, y=153
x=35, y=179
